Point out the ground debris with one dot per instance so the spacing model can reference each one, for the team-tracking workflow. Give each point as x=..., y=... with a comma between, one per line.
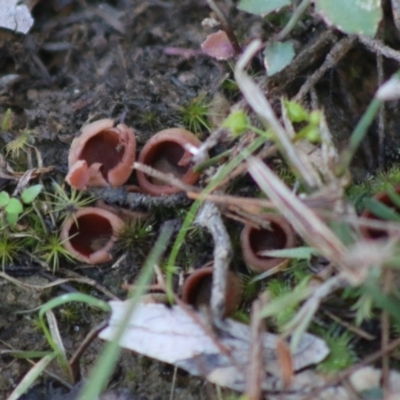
x=171, y=335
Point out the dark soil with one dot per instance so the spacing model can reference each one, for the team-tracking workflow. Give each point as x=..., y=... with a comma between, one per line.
x=82, y=62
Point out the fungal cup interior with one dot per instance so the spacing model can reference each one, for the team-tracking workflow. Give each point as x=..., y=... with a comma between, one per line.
x=105, y=148
x=90, y=234
x=274, y=238
x=167, y=157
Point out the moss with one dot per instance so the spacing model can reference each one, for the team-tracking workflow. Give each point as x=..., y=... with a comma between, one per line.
x=342, y=354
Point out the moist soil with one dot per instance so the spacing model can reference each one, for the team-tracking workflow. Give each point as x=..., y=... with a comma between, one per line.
x=140, y=63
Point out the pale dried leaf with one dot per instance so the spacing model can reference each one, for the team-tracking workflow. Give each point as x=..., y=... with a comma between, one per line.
x=15, y=17
x=171, y=335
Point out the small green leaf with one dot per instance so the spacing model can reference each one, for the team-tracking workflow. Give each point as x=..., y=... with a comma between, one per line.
x=30, y=193
x=6, y=122
x=4, y=199
x=295, y=111
x=262, y=7
x=277, y=56
x=14, y=206
x=355, y=16
x=310, y=133
x=12, y=218
x=299, y=253
x=381, y=210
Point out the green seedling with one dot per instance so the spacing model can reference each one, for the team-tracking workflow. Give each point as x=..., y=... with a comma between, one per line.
x=136, y=235
x=19, y=144
x=51, y=250
x=7, y=120
x=64, y=204
x=342, y=354
x=237, y=122
x=12, y=207
x=298, y=114
x=194, y=115
x=9, y=248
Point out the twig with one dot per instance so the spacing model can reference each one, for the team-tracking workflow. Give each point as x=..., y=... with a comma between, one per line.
x=227, y=200
x=255, y=370
x=209, y=218
x=74, y=362
x=201, y=153
x=242, y=168
x=381, y=116
x=338, y=51
x=167, y=178
x=376, y=46
x=350, y=327
x=385, y=333
x=225, y=24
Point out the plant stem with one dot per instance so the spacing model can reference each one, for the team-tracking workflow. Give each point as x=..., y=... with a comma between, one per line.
x=293, y=20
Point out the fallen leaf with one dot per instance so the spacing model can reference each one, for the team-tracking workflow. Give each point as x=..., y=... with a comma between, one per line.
x=171, y=335
x=15, y=17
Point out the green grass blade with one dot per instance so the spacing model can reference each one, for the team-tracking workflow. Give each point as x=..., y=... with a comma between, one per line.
x=31, y=376
x=105, y=364
x=381, y=210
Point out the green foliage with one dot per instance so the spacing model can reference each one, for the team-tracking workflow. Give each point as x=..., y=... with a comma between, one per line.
x=342, y=354
x=136, y=235
x=9, y=249
x=277, y=56
x=31, y=193
x=11, y=207
x=64, y=204
x=298, y=114
x=7, y=120
x=194, y=114
x=149, y=119
x=237, y=122
x=363, y=305
x=262, y=7
x=19, y=144
x=278, y=288
x=51, y=250
x=351, y=17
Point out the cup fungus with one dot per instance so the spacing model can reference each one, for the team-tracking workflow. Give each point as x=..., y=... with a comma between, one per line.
x=167, y=152
x=90, y=233
x=196, y=289
x=384, y=198
x=254, y=241
x=103, y=155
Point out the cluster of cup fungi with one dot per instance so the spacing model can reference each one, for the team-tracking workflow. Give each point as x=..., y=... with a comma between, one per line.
x=103, y=156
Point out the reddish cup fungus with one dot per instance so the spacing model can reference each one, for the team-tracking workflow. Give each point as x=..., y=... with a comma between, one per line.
x=196, y=289
x=103, y=155
x=90, y=233
x=166, y=152
x=254, y=241
x=376, y=233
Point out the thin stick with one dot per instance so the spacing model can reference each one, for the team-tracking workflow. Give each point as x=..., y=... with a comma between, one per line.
x=256, y=369
x=168, y=178
x=385, y=333
x=376, y=46
x=209, y=217
x=339, y=50
x=381, y=117
x=225, y=24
